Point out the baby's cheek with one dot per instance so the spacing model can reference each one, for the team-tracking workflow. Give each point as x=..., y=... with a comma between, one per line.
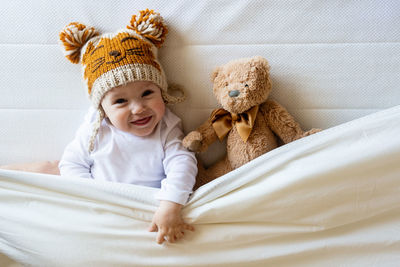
x=117, y=118
x=160, y=108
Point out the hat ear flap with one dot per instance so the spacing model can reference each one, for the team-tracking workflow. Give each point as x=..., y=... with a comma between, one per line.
x=73, y=37
x=150, y=25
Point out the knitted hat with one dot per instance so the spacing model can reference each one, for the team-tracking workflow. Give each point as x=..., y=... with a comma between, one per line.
x=113, y=59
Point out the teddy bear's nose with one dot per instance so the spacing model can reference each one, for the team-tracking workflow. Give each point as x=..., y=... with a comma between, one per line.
x=114, y=53
x=234, y=93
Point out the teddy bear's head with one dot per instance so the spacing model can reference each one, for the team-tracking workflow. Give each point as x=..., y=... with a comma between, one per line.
x=242, y=84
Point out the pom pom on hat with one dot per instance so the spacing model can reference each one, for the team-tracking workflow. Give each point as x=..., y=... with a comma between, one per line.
x=73, y=37
x=150, y=25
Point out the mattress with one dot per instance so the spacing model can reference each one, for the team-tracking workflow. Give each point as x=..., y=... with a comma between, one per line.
x=331, y=62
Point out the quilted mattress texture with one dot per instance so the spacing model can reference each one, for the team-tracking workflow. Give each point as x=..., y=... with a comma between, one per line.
x=331, y=61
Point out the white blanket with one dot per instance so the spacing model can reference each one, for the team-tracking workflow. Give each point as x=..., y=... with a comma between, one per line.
x=326, y=200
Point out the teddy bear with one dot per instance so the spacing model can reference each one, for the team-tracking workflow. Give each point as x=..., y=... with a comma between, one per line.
x=252, y=123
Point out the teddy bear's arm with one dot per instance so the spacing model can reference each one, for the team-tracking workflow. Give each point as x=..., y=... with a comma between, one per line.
x=281, y=122
x=201, y=138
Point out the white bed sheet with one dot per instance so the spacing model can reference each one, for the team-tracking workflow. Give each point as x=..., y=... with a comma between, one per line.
x=331, y=199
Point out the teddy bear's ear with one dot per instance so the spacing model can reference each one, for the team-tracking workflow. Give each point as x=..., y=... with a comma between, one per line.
x=215, y=73
x=73, y=37
x=150, y=25
x=259, y=61
x=261, y=65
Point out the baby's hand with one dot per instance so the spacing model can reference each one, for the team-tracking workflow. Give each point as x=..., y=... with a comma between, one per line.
x=168, y=222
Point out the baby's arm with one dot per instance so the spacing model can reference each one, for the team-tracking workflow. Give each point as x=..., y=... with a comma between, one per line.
x=168, y=222
x=72, y=165
x=75, y=161
x=180, y=167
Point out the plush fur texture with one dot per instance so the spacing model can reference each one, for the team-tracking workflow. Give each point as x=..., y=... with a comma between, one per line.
x=249, y=78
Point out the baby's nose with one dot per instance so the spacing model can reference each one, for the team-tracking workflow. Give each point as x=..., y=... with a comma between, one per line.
x=137, y=108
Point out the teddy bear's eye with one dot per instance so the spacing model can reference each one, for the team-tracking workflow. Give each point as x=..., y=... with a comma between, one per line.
x=246, y=85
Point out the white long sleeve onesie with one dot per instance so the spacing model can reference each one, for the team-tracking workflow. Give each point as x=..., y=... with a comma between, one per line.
x=158, y=160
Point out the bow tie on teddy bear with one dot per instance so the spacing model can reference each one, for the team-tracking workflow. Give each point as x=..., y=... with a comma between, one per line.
x=223, y=121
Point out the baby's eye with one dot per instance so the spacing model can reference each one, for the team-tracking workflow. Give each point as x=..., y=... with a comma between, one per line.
x=120, y=101
x=147, y=92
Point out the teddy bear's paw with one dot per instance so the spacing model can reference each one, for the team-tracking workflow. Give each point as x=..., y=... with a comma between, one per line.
x=312, y=131
x=192, y=141
x=195, y=146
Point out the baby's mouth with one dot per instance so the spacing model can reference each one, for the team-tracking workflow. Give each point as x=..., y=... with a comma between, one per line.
x=142, y=122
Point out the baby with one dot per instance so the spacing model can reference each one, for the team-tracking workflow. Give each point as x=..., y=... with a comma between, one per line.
x=129, y=136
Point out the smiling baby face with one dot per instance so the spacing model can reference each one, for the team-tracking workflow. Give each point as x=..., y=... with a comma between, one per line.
x=113, y=52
